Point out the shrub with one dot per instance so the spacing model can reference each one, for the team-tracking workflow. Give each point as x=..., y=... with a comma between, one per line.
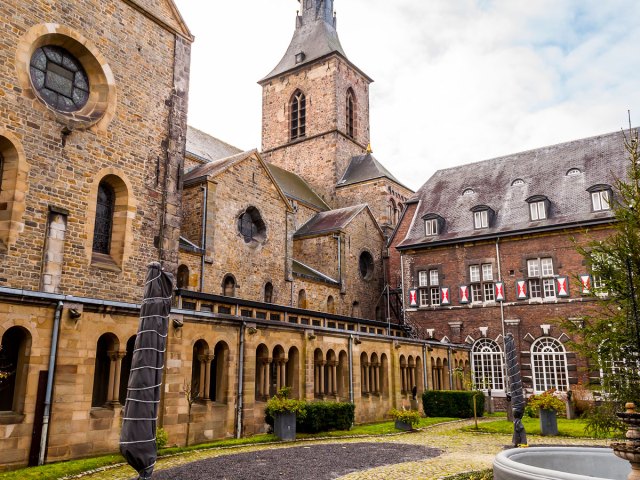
x=281, y=403
x=162, y=437
x=548, y=400
x=321, y=417
x=411, y=417
x=452, y=403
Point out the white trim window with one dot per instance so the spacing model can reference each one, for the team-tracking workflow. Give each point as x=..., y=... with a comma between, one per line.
x=481, y=283
x=600, y=201
x=429, y=284
x=431, y=227
x=481, y=219
x=541, y=278
x=549, y=365
x=538, y=210
x=487, y=365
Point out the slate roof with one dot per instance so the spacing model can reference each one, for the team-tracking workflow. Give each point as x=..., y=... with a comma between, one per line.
x=216, y=167
x=601, y=159
x=206, y=147
x=363, y=168
x=296, y=188
x=327, y=222
x=305, y=271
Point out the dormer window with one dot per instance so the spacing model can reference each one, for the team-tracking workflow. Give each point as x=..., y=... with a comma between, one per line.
x=482, y=216
x=433, y=224
x=600, y=198
x=538, y=207
x=573, y=172
x=517, y=182
x=468, y=191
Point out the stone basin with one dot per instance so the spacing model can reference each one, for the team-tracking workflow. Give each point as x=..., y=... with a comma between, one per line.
x=560, y=463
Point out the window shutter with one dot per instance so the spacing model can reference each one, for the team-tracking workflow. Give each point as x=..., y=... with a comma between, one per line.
x=413, y=297
x=445, y=296
x=562, y=286
x=499, y=291
x=521, y=290
x=585, y=279
x=464, y=294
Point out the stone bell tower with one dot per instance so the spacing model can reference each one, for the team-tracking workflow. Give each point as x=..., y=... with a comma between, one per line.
x=315, y=103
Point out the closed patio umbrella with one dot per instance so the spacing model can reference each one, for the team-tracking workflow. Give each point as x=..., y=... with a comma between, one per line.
x=138, y=435
x=517, y=393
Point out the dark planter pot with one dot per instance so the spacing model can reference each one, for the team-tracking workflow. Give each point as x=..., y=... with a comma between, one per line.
x=548, y=422
x=400, y=425
x=284, y=426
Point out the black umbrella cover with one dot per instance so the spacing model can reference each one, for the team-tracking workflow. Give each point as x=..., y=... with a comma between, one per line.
x=138, y=435
x=517, y=393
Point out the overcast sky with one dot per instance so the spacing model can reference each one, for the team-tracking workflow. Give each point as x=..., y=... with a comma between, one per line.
x=455, y=81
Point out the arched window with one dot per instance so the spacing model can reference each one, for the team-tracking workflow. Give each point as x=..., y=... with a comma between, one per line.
x=331, y=307
x=549, y=365
x=351, y=113
x=251, y=226
x=302, y=299
x=298, y=115
x=293, y=372
x=488, y=367
x=183, y=277
x=355, y=310
x=105, y=388
x=366, y=265
x=103, y=227
x=268, y=293
x=364, y=374
x=229, y=286
x=14, y=365
x=263, y=369
x=218, y=377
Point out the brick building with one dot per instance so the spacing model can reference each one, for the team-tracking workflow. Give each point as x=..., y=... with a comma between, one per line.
x=490, y=248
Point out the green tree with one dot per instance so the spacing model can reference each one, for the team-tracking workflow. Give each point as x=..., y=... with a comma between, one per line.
x=610, y=335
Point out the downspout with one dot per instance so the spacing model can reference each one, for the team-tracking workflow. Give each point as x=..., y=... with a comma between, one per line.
x=404, y=310
x=424, y=367
x=240, y=383
x=337, y=237
x=450, y=370
x=500, y=279
x=351, y=399
x=47, y=400
x=203, y=240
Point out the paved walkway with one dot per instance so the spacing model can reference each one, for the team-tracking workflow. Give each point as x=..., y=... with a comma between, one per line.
x=461, y=452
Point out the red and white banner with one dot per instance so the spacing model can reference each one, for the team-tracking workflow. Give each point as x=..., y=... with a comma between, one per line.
x=586, y=283
x=562, y=286
x=499, y=291
x=445, y=297
x=413, y=297
x=464, y=294
x=521, y=290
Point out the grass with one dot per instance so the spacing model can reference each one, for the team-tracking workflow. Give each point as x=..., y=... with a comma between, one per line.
x=54, y=471
x=479, y=475
x=566, y=428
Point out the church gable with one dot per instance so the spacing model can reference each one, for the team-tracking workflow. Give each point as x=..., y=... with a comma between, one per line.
x=164, y=12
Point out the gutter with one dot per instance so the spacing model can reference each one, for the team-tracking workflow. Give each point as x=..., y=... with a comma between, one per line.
x=52, y=367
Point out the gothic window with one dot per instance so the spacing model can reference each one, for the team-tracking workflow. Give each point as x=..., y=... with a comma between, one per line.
x=183, y=277
x=229, y=286
x=251, y=226
x=14, y=365
x=366, y=265
x=59, y=78
x=268, y=293
x=105, y=207
x=298, y=115
x=350, y=114
x=549, y=365
x=488, y=369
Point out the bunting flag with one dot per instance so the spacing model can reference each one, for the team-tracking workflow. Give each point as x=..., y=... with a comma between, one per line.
x=521, y=290
x=445, y=298
x=499, y=291
x=464, y=294
x=413, y=297
x=562, y=286
x=586, y=284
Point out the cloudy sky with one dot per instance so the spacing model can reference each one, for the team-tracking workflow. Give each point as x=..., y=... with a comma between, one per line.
x=456, y=81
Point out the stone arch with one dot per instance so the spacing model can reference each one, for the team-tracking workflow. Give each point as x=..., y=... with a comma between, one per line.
x=14, y=171
x=182, y=279
x=268, y=292
x=302, y=299
x=125, y=369
x=219, y=381
x=319, y=376
x=343, y=375
x=364, y=374
x=384, y=375
x=14, y=360
x=293, y=372
x=229, y=285
x=331, y=307
x=199, y=365
x=101, y=105
x=262, y=383
x=107, y=349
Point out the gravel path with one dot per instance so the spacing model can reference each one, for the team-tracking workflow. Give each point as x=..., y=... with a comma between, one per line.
x=320, y=462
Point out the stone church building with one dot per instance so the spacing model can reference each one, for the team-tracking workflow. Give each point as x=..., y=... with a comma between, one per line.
x=278, y=253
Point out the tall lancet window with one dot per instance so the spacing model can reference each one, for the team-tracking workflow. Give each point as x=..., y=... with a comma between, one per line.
x=350, y=114
x=298, y=115
x=104, y=219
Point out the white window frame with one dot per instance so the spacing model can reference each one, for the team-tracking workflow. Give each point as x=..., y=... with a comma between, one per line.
x=600, y=201
x=423, y=278
x=538, y=210
x=431, y=227
x=434, y=277
x=541, y=278
x=487, y=272
x=476, y=292
x=549, y=365
x=474, y=273
x=435, y=296
x=424, y=297
x=487, y=365
x=481, y=219
x=489, y=292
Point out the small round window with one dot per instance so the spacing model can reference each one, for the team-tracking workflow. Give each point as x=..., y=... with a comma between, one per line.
x=251, y=226
x=59, y=78
x=366, y=265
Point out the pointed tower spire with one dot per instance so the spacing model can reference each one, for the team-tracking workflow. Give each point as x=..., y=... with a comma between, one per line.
x=315, y=37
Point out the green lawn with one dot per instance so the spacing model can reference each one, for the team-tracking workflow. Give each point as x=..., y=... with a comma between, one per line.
x=567, y=428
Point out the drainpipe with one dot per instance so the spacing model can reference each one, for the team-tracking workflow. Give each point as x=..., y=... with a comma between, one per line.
x=203, y=240
x=351, y=399
x=240, y=382
x=337, y=237
x=47, y=400
x=404, y=310
x=450, y=370
x=424, y=367
x=500, y=279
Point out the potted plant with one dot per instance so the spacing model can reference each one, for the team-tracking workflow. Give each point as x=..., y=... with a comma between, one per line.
x=284, y=411
x=405, y=419
x=548, y=404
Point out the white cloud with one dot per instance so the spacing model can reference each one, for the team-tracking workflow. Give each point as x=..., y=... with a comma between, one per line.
x=455, y=80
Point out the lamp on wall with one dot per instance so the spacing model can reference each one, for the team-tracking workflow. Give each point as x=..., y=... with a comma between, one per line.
x=177, y=323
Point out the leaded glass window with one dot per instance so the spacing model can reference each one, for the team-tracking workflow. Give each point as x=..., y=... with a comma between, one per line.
x=298, y=115
x=350, y=114
x=251, y=226
x=549, y=364
x=105, y=206
x=59, y=78
x=487, y=365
